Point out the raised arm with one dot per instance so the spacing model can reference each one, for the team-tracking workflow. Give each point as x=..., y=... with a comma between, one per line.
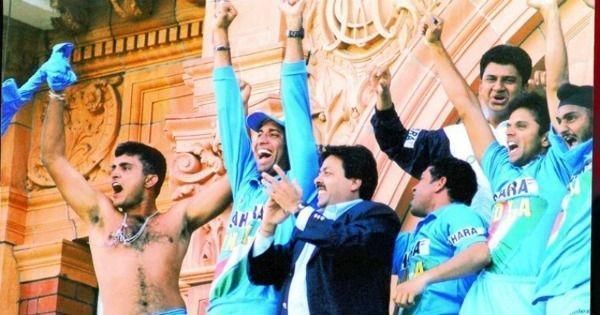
x=300, y=140
x=225, y=13
x=557, y=68
x=208, y=204
x=413, y=150
x=231, y=112
x=76, y=191
x=459, y=92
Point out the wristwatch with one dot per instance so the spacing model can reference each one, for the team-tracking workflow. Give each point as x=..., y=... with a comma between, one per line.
x=296, y=34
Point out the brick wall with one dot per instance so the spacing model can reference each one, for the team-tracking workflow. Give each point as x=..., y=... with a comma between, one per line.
x=57, y=296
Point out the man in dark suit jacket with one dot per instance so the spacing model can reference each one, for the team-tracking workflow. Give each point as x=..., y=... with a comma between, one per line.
x=338, y=260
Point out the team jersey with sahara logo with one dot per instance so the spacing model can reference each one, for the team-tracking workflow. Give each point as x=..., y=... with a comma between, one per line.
x=437, y=238
x=567, y=263
x=231, y=290
x=527, y=202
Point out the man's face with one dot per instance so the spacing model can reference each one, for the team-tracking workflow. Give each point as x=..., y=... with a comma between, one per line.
x=127, y=182
x=522, y=137
x=423, y=194
x=268, y=146
x=499, y=85
x=332, y=185
x=574, y=124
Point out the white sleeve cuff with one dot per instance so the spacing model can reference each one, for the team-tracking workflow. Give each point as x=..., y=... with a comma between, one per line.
x=303, y=217
x=261, y=244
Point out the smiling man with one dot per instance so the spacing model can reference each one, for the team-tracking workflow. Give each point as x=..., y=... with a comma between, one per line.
x=528, y=178
x=136, y=248
x=339, y=258
x=503, y=70
x=290, y=144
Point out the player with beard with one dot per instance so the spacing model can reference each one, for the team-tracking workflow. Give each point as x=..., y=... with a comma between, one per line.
x=564, y=280
x=289, y=144
x=137, y=249
x=528, y=177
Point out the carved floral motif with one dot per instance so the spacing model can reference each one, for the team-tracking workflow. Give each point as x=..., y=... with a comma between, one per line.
x=346, y=39
x=91, y=126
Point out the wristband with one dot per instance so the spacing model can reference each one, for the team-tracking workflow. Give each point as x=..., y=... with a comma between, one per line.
x=296, y=34
x=222, y=48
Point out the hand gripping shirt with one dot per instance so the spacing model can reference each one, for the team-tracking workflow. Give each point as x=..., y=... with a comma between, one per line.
x=437, y=238
x=567, y=263
x=231, y=291
x=414, y=149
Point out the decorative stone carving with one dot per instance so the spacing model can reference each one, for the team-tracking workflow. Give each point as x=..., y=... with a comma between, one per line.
x=74, y=16
x=91, y=126
x=196, y=167
x=346, y=38
x=132, y=9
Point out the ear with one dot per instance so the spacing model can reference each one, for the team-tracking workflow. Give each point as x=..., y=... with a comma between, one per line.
x=545, y=142
x=355, y=184
x=440, y=184
x=150, y=180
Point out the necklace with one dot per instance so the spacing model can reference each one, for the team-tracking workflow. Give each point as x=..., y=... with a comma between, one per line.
x=119, y=235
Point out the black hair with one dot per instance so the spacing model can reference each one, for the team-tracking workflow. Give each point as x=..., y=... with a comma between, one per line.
x=461, y=181
x=153, y=161
x=508, y=55
x=358, y=162
x=536, y=105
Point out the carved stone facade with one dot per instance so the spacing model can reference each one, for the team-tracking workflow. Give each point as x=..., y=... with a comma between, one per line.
x=145, y=75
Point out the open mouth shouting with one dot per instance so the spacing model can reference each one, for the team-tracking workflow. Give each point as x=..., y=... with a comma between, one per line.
x=512, y=148
x=117, y=188
x=264, y=154
x=570, y=139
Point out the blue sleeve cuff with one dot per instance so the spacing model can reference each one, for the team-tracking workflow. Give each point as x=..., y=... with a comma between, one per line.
x=298, y=67
x=222, y=73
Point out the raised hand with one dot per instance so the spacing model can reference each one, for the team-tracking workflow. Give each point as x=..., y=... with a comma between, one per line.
x=283, y=191
x=430, y=27
x=379, y=82
x=293, y=12
x=246, y=90
x=225, y=13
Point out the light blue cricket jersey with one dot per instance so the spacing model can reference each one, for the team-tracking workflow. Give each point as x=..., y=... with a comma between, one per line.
x=568, y=256
x=231, y=291
x=527, y=201
x=438, y=237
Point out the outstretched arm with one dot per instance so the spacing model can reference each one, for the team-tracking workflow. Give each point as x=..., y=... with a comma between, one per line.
x=208, y=204
x=459, y=92
x=299, y=137
x=413, y=150
x=225, y=13
x=231, y=110
x=76, y=191
x=466, y=262
x=557, y=68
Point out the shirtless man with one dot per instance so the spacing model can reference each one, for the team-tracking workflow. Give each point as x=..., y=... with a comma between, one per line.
x=137, y=250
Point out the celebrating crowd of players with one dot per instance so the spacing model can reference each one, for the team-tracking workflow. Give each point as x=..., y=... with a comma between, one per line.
x=504, y=196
